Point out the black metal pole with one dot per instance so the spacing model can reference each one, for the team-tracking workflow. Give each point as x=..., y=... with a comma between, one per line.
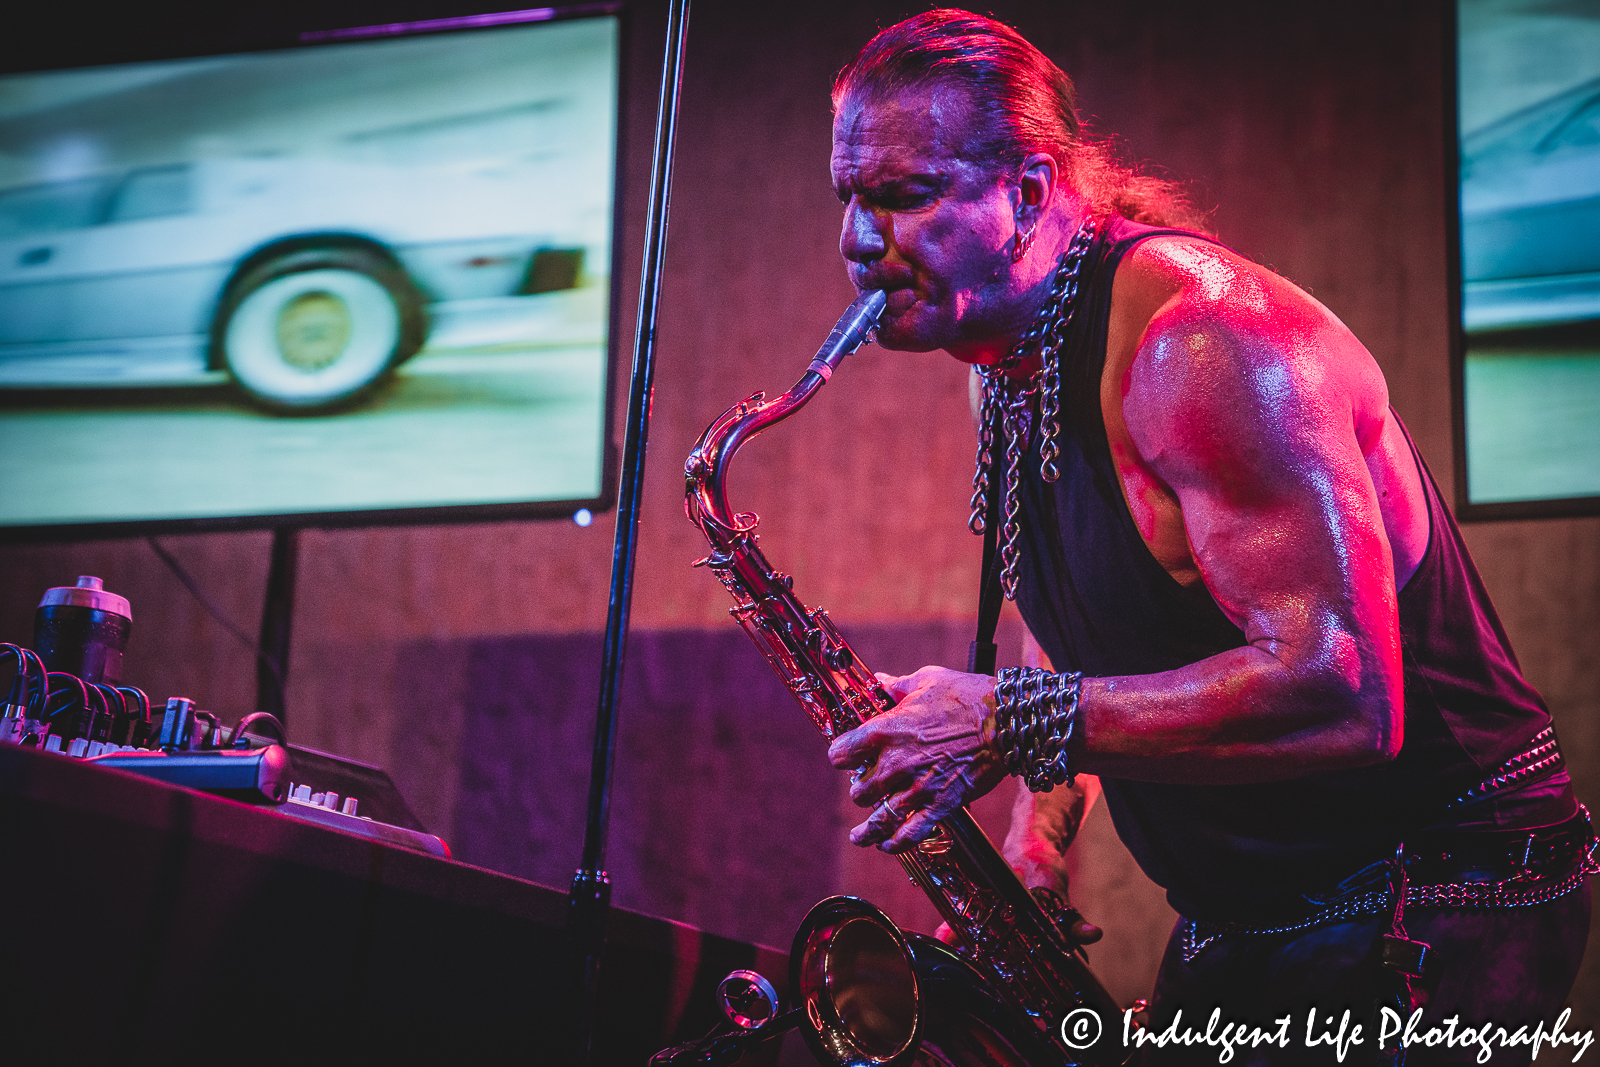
x=277, y=618
x=590, y=901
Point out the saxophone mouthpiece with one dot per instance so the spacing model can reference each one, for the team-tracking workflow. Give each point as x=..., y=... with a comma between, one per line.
x=850, y=332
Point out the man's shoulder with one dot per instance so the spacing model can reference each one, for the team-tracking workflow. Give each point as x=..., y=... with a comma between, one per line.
x=1199, y=325
x=1172, y=287
x=1199, y=274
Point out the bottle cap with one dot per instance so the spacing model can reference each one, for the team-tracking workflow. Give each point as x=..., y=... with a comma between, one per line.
x=90, y=592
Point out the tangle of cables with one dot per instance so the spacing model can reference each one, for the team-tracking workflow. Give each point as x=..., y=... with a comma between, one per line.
x=63, y=713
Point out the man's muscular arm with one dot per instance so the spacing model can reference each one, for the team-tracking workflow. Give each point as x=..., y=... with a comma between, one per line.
x=1043, y=827
x=1254, y=409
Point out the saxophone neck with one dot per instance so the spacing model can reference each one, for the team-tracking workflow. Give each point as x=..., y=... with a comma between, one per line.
x=705, y=473
x=849, y=333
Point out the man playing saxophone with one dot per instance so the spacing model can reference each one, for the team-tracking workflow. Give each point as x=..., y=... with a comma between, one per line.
x=1268, y=640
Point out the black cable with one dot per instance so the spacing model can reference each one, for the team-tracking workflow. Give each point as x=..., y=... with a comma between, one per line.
x=216, y=613
x=121, y=720
x=82, y=701
x=139, y=730
x=253, y=718
x=21, y=679
x=139, y=695
x=107, y=692
x=26, y=686
x=211, y=734
x=83, y=688
x=94, y=716
x=43, y=678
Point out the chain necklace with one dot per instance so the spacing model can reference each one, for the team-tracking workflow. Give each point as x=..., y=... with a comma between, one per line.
x=1007, y=408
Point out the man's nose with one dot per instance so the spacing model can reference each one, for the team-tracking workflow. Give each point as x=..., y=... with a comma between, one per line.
x=862, y=240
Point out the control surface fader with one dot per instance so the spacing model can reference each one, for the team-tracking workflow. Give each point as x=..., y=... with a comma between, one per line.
x=325, y=809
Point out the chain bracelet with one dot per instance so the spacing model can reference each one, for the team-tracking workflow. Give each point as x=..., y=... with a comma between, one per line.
x=1036, y=714
x=1005, y=701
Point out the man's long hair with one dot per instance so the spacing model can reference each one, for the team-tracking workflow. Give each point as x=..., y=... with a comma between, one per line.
x=1024, y=104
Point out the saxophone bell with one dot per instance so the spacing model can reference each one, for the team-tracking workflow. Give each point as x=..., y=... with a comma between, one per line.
x=851, y=970
x=870, y=995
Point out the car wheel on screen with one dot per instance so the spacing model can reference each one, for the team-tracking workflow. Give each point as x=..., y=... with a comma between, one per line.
x=319, y=328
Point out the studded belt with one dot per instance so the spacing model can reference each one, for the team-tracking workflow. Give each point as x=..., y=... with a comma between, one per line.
x=1540, y=759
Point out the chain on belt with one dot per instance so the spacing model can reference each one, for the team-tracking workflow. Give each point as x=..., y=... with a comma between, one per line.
x=1514, y=892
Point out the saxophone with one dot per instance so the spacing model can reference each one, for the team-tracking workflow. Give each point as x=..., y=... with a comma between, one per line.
x=1041, y=1003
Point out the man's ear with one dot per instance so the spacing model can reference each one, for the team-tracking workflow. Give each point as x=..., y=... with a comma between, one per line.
x=1034, y=191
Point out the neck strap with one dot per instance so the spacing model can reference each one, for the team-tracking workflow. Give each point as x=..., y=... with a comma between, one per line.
x=982, y=653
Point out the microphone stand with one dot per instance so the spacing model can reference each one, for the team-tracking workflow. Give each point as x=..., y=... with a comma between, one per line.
x=590, y=901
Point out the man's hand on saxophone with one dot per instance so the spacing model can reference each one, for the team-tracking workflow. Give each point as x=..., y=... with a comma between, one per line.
x=962, y=764
x=935, y=751
x=922, y=759
x=1043, y=826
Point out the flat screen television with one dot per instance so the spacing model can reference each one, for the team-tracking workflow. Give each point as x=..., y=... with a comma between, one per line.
x=363, y=278
x=1527, y=360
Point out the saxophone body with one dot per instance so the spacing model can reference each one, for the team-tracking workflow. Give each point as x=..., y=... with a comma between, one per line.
x=1022, y=958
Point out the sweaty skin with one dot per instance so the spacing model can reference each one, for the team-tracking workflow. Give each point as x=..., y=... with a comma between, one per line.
x=1256, y=451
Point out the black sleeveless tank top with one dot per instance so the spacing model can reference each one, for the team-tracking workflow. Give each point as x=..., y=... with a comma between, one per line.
x=1100, y=603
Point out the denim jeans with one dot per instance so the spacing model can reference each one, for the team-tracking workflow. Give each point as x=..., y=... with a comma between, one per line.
x=1511, y=967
